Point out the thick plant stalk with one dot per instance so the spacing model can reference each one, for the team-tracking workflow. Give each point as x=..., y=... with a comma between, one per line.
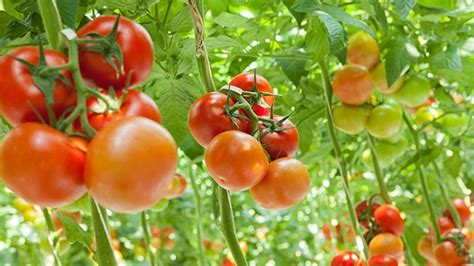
x=104, y=253
x=199, y=230
x=49, y=224
x=339, y=157
x=51, y=21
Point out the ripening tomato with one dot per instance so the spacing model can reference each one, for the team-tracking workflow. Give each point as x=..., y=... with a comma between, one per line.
x=455, y=124
x=363, y=50
x=177, y=186
x=448, y=254
x=425, y=248
x=352, y=84
x=423, y=116
x=130, y=164
x=228, y=262
x=462, y=209
x=363, y=214
x=207, y=118
x=285, y=184
x=386, y=244
x=236, y=160
x=42, y=166
x=461, y=234
x=384, y=121
x=135, y=44
x=382, y=260
x=19, y=96
x=245, y=81
x=380, y=80
x=135, y=103
x=350, y=119
x=386, y=152
x=347, y=258
x=388, y=218
x=281, y=143
x=414, y=92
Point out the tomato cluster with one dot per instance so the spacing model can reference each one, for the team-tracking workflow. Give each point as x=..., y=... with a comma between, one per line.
x=129, y=164
x=247, y=146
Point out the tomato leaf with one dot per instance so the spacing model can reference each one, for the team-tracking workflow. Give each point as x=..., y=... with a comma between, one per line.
x=68, y=11
x=400, y=55
x=294, y=69
x=74, y=232
x=337, y=37
x=380, y=15
x=317, y=39
x=404, y=7
x=345, y=18
x=453, y=164
x=299, y=16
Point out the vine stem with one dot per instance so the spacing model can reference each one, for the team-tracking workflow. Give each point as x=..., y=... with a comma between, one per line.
x=423, y=180
x=146, y=234
x=49, y=224
x=104, y=251
x=339, y=157
x=51, y=21
x=444, y=192
x=199, y=230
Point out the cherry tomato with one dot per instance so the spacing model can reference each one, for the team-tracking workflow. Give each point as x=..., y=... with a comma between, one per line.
x=386, y=152
x=382, y=260
x=136, y=47
x=445, y=224
x=245, y=81
x=207, y=118
x=135, y=103
x=455, y=124
x=388, y=218
x=42, y=166
x=350, y=119
x=363, y=50
x=228, y=262
x=462, y=234
x=414, y=92
x=380, y=80
x=347, y=258
x=448, y=254
x=130, y=164
x=386, y=244
x=177, y=186
x=384, y=121
x=363, y=214
x=352, y=84
x=285, y=184
x=279, y=144
x=425, y=248
x=236, y=160
x=18, y=92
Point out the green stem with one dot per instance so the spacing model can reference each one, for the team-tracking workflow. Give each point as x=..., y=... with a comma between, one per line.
x=423, y=180
x=104, y=252
x=146, y=234
x=444, y=192
x=197, y=198
x=338, y=152
x=51, y=21
x=378, y=171
x=49, y=224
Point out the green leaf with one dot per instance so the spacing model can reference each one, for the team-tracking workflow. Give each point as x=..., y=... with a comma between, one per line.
x=5, y=19
x=464, y=78
x=442, y=4
x=449, y=59
x=74, y=232
x=453, y=164
x=182, y=22
x=337, y=38
x=306, y=5
x=299, y=16
x=217, y=6
x=317, y=39
x=293, y=69
x=68, y=11
x=404, y=7
x=380, y=15
x=231, y=20
x=400, y=55
x=124, y=5
x=345, y=18
x=222, y=42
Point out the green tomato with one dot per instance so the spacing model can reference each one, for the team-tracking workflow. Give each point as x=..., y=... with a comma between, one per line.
x=160, y=206
x=350, y=119
x=384, y=121
x=454, y=124
x=83, y=204
x=386, y=152
x=380, y=80
x=415, y=92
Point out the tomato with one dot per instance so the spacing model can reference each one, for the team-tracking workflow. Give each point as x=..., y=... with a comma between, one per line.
x=425, y=248
x=207, y=118
x=279, y=144
x=18, y=92
x=363, y=50
x=388, y=218
x=228, y=262
x=155, y=231
x=448, y=254
x=42, y=166
x=462, y=235
x=386, y=244
x=21, y=205
x=455, y=124
x=445, y=224
x=352, y=84
x=462, y=209
x=130, y=164
x=245, y=81
x=136, y=47
x=168, y=231
x=177, y=186
x=386, y=152
x=169, y=244
x=135, y=103
x=380, y=80
x=350, y=119
x=285, y=184
x=363, y=214
x=384, y=121
x=382, y=260
x=423, y=116
x=414, y=92
x=347, y=258
x=236, y=160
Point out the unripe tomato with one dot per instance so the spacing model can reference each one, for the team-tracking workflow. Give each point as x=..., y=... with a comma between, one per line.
x=382, y=260
x=425, y=248
x=245, y=81
x=207, y=118
x=19, y=93
x=347, y=258
x=386, y=152
x=363, y=50
x=350, y=119
x=177, y=186
x=42, y=166
x=236, y=160
x=380, y=80
x=386, y=244
x=130, y=164
x=414, y=92
x=21, y=205
x=136, y=47
x=384, y=121
x=462, y=209
x=448, y=254
x=388, y=218
x=352, y=84
x=282, y=143
x=455, y=124
x=285, y=184
x=423, y=116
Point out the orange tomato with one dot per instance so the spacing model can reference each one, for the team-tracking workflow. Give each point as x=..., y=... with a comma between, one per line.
x=352, y=84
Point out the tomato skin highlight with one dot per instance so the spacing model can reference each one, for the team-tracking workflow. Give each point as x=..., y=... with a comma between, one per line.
x=236, y=160
x=363, y=50
x=386, y=244
x=285, y=184
x=352, y=84
x=347, y=258
x=137, y=50
x=245, y=81
x=17, y=88
x=42, y=166
x=389, y=219
x=280, y=144
x=382, y=260
x=130, y=164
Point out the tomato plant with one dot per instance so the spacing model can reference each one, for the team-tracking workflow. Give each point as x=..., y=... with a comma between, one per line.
x=384, y=121
x=350, y=119
x=386, y=244
x=352, y=84
x=389, y=219
x=363, y=50
x=246, y=82
x=283, y=142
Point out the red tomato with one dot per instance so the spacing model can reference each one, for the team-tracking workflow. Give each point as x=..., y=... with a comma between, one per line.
x=382, y=260
x=42, y=166
x=347, y=258
x=228, y=262
x=282, y=143
x=136, y=103
x=352, y=84
x=236, y=160
x=389, y=219
x=245, y=81
x=207, y=118
x=18, y=91
x=176, y=187
x=363, y=214
x=386, y=244
x=462, y=209
x=137, y=51
x=448, y=254
x=167, y=231
x=130, y=164
x=285, y=184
